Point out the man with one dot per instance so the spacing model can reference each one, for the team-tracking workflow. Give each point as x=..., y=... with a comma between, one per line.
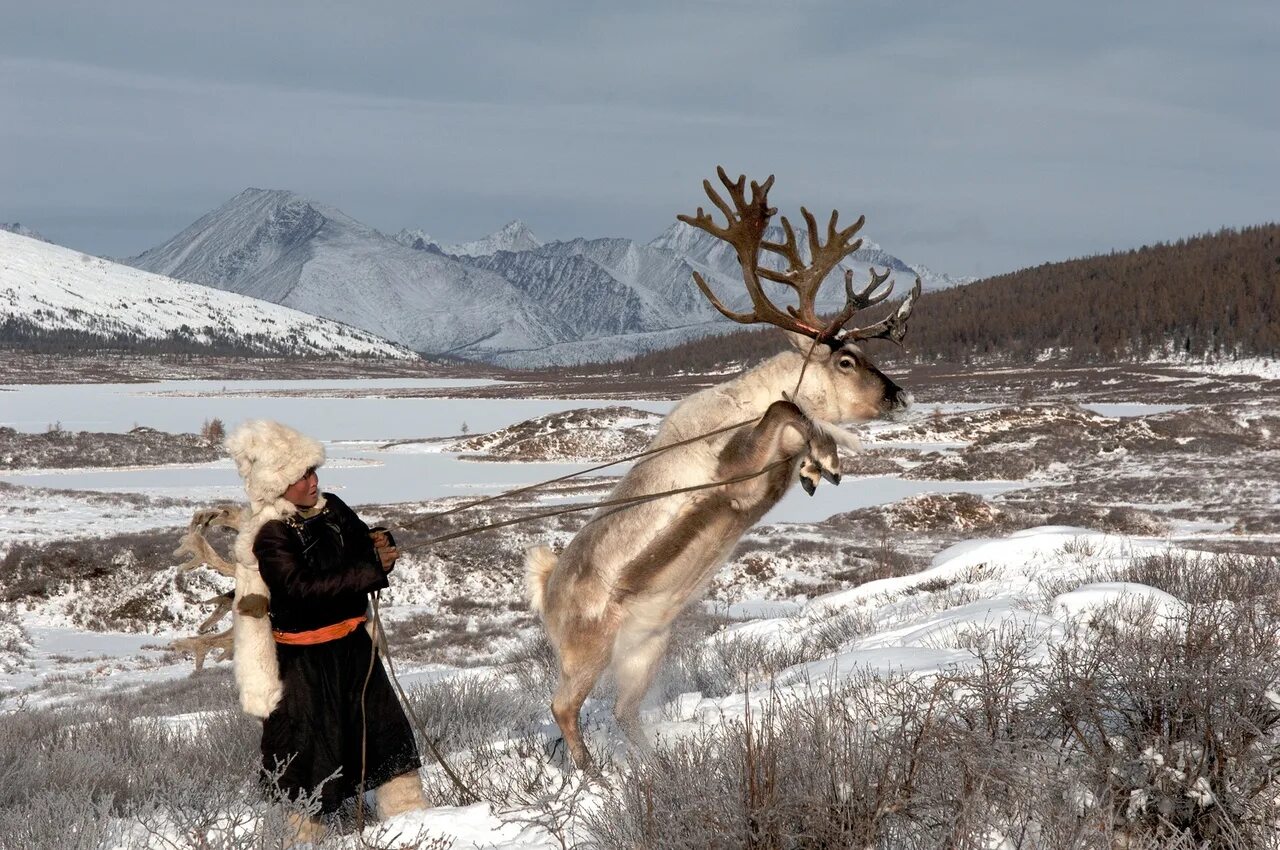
x=304, y=660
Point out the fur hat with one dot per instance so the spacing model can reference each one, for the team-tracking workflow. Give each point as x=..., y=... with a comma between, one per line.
x=270, y=457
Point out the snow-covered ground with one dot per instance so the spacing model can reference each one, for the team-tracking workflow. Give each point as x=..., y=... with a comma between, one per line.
x=1036, y=581
x=899, y=571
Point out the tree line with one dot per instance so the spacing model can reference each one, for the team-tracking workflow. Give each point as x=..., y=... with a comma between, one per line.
x=1213, y=295
x=25, y=335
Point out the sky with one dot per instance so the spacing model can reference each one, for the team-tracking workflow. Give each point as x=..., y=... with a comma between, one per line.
x=977, y=137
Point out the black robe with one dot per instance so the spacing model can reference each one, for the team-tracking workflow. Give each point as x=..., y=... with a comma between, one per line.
x=320, y=571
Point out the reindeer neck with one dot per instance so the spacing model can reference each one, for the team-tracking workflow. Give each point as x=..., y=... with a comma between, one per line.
x=766, y=383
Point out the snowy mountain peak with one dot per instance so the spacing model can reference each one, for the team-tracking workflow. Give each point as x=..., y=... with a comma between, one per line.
x=20, y=229
x=416, y=238
x=512, y=236
x=244, y=239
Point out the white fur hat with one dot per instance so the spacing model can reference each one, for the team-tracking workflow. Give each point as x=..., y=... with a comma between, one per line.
x=270, y=457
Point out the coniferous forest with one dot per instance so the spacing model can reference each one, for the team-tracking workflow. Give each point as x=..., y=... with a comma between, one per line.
x=1214, y=295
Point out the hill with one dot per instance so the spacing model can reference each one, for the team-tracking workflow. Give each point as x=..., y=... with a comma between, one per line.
x=1209, y=296
x=56, y=299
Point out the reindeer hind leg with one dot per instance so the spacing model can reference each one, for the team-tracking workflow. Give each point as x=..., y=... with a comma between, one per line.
x=582, y=660
x=636, y=662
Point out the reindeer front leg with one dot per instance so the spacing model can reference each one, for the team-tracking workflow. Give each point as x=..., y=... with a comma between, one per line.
x=783, y=431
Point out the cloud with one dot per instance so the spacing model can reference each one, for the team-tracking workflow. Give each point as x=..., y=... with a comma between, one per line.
x=987, y=135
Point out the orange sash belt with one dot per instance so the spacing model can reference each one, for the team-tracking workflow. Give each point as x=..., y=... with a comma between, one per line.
x=320, y=635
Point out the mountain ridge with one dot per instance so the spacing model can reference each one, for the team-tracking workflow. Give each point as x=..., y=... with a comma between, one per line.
x=508, y=298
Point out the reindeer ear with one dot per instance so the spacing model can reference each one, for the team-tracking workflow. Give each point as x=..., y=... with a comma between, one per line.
x=803, y=343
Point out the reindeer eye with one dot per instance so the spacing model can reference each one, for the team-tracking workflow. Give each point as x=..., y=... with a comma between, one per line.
x=847, y=363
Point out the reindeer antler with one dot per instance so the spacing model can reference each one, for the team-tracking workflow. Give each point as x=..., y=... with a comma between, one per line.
x=194, y=545
x=202, y=645
x=747, y=221
x=200, y=552
x=893, y=328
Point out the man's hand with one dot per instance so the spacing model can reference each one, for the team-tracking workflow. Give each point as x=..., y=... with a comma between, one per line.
x=385, y=546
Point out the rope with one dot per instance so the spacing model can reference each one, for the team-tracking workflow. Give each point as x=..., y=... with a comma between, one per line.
x=528, y=487
x=364, y=727
x=506, y=494
x=608, y=503
x=468, y=796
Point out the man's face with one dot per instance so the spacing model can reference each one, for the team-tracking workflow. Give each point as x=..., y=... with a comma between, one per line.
x=305, y=492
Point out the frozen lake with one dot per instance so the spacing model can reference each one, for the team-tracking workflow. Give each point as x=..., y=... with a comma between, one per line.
x=355, y=429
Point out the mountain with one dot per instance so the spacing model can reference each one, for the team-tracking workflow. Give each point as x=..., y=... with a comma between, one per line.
x=513, y=236
x=19, y=229
x=51, y=295
x=419, y=239
x=280, y=247
x=506, y=299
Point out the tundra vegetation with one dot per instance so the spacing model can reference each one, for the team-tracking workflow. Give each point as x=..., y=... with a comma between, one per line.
x=1134, y=729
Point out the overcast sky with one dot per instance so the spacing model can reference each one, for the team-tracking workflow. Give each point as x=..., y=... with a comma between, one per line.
x=976, y=137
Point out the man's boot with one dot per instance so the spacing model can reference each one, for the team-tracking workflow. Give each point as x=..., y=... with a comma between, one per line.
x=399, y=794
x=302, y=829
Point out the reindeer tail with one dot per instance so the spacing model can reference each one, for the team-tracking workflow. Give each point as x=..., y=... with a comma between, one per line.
x=539, y=562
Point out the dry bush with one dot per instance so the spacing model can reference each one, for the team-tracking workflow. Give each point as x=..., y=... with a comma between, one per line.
x=42, y=570
x=722, y=664
x=121, y=776
x=213, y=431
x=466, y=711
x=1175, y=726
x=534, y=667
x=893, y=762
x=1137, y=733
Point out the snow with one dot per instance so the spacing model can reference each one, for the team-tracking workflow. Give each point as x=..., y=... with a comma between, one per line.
x=1039, y=582
x=923, y=623
x=55, y=288
x=356, y=420
x=474, y=826
x=1128, y=409
x=1130, y=601
x=512, y=236
x=1267, y=368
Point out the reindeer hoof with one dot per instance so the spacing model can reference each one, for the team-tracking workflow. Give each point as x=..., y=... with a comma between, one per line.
x=809, y=486
x=833, y=477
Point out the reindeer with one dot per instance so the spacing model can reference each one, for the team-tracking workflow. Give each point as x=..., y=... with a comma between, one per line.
x=610, y=598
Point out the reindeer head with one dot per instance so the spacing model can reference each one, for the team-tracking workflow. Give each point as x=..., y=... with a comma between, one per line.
x=842, y=384
x=849, y=387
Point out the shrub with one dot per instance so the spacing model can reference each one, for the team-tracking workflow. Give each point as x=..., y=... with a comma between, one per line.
x=213, y=431
x=1135, y=732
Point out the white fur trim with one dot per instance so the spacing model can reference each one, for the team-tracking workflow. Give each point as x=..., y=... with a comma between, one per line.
x=257, y=670
x=256, y=667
